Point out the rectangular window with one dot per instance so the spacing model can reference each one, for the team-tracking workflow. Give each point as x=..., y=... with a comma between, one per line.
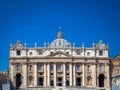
x=100, y=53
x=101, y=67
x=18, y=67
x=40, y=82
x=88, y=53
x=40, y=67
x=30, y=53
x=59, y=67
x=67, y=67
x=78, y=52
x=51, y=83
x=18, y=52
x=67, y=83
x=40, y=53
x=78, y=67
x=51, y=67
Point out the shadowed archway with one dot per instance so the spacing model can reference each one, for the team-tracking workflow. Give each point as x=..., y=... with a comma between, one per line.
x=18, y=80
x=78, y=81
x=101, y=80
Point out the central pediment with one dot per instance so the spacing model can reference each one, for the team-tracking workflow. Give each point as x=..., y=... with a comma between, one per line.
x=59, y=54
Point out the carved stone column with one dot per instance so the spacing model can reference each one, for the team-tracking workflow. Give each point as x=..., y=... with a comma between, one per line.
x=12, y=74
x=107, y=84
x=45, y=74
x=55, y=74
x=64, y=75
x=83, y=80
x=94, y=75
x=74, y=71
x=48, y=74
x=36, y=76
x=71, y=74
x=25, y=75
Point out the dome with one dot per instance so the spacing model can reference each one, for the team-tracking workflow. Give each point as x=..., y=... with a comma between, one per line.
x=60, y=42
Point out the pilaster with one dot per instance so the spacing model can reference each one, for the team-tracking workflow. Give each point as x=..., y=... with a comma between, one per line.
x=12, y=73
x=45, y=75
x=25, y=75
x=74, y=71
x=71, y=74
x=108, y=75
x=94, y=75
x=55, y=75
x=48, y=74
x=83, y=80
x=64, y=73
x=36, y=76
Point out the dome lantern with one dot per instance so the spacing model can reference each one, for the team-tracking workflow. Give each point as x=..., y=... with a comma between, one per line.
x=59, y=35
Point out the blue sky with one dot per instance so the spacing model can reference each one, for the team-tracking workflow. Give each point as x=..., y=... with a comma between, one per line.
x=38, y=21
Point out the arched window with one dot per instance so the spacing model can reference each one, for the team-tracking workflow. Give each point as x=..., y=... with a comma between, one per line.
x=18, y=80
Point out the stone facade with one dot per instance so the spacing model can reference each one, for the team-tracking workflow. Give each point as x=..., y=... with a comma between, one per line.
x=115, y=71
x=60, y=64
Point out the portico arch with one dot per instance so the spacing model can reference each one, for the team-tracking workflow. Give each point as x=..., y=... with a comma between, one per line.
x=18, y=80
x=78, y=81
x=101, y=80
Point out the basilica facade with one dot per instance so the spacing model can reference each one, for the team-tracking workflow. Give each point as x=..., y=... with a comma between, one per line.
x=60, y=64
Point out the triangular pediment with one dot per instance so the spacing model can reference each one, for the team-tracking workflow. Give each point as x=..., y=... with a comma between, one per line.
x=18, y=45
x=59, y=54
